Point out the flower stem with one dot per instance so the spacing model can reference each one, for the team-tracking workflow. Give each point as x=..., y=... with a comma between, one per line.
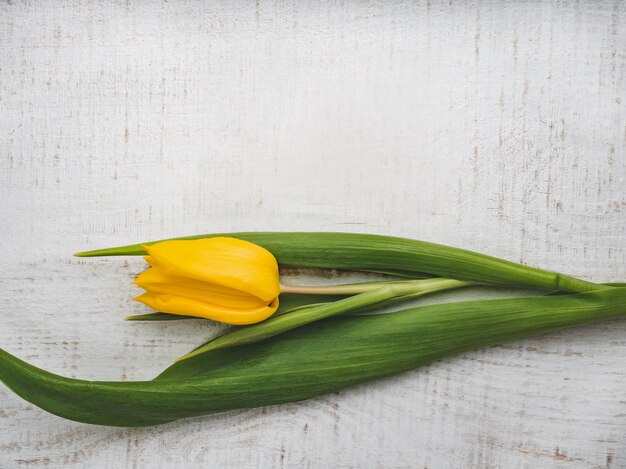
x=346, y=289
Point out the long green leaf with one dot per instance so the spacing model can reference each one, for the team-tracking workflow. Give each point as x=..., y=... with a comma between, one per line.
x=384, y=253
x=306, y=315
x=317, y=359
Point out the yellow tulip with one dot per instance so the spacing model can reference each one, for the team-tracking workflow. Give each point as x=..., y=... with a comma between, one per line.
x=224, y=279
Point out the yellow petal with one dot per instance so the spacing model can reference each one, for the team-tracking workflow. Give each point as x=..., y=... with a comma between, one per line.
x=156, y=280
x=150, y=261
x=229, y=262
x=189, y=307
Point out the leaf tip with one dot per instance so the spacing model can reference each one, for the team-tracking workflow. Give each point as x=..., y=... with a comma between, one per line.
x=189, y=355
x=94, y=253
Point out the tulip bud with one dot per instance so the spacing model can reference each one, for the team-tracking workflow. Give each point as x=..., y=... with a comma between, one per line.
x=225, y=279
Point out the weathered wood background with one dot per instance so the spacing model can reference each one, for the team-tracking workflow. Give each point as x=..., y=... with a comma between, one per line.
x=497, y=126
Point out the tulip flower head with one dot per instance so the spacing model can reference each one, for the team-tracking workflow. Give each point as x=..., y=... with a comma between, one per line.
x=225, y=279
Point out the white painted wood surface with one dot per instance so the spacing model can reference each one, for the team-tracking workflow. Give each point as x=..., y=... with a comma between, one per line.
x=496, y=126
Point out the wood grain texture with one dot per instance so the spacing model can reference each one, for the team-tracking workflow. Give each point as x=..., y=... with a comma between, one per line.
x=496, y=126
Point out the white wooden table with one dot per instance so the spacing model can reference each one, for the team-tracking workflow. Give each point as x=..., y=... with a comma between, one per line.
x=496, y=126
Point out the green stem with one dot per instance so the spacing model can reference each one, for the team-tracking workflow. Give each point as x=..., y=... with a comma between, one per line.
x=345, y=289
x=279, y=324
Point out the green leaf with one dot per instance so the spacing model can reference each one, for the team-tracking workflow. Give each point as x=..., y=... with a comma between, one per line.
x=158, y=316
x=385, y=253
x=311, y=313
x=316, y=359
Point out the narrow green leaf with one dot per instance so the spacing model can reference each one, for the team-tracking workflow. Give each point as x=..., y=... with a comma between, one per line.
x=308, y=314
x=383, y=253
x=158, y=316
x=369, y=309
